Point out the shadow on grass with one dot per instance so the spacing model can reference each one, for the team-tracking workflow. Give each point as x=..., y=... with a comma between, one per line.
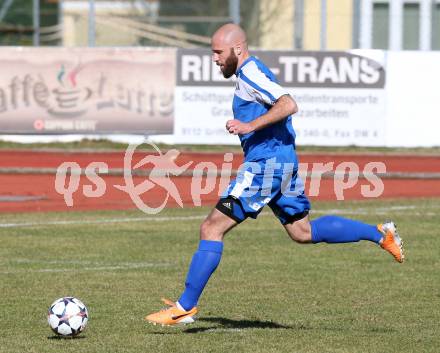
x=65, y=337
x=228, y=324
x=222, y=324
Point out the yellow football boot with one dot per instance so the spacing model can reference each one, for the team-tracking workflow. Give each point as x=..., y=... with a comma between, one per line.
x=172, y=315
x=391, y=241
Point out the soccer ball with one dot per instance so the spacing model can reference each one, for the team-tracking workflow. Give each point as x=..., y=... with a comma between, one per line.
x=67, y=316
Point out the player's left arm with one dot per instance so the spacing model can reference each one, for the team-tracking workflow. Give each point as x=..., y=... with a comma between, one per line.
x=283, y=107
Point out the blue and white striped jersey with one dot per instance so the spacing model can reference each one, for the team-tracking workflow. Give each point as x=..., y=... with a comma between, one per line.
x=256, y=91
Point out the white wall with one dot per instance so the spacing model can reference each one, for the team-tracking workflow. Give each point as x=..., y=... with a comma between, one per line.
x=413, y=99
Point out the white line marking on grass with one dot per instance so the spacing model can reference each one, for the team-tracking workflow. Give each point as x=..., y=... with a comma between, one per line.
x=102, y=221
x=227, y=330
x=124, y=266
x=364, y=211
x=371, y=212
x=360, y=210
x=81, y=262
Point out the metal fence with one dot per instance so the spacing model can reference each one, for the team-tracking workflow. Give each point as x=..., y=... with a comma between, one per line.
x=281, y=24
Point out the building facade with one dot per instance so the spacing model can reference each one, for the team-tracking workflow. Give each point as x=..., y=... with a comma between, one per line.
x=280, y=24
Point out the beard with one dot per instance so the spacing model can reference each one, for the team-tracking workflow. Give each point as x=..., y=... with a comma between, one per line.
x=230, y=65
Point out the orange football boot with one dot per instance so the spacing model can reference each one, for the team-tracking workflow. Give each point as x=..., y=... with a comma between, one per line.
x=391, y=241
x=172, y=315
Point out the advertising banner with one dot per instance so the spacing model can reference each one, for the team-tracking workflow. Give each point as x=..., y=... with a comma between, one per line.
x=86, y=90
x=341, y=96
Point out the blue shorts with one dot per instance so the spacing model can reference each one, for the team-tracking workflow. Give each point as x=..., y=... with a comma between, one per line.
x=249, y=193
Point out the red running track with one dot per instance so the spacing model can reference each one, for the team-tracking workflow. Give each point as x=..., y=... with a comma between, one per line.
x=394, y=163
x=39, y=189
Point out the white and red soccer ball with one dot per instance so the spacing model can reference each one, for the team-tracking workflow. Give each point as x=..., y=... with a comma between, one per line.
x=67, y=316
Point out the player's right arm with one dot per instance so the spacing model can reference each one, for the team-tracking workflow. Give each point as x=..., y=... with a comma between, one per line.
x=283, y=107
x=259, y=87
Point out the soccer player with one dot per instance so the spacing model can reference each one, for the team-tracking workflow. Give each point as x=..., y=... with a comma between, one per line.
x=262, y=120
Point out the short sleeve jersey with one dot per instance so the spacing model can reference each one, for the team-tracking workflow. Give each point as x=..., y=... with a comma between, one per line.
x=256, y=92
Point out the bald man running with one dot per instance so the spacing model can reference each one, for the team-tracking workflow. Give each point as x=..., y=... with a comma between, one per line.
x=263, y=121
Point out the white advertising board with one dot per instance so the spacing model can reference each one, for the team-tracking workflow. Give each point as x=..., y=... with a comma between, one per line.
x=341, y=97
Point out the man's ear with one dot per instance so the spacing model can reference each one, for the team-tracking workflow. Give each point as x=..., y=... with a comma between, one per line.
x=237, y=49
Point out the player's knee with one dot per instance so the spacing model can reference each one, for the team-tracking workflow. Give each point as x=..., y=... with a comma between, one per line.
x=208, y=231
x=301, y=236
x=204, y=229
x=300, y=231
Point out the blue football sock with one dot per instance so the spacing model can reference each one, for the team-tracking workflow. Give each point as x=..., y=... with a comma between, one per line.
x=203, y=264
x=334, y=229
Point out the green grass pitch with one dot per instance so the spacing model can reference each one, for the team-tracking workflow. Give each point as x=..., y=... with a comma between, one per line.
x=268, y=294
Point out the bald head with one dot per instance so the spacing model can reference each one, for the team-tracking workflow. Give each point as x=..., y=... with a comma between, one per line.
x=229, y=48
x=229, y=34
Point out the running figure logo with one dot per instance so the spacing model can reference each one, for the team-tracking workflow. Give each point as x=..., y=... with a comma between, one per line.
x=163, y=168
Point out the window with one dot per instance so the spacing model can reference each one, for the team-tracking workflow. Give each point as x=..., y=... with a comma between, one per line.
x=411, y=26
x=380, y=25
x=436, y=27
